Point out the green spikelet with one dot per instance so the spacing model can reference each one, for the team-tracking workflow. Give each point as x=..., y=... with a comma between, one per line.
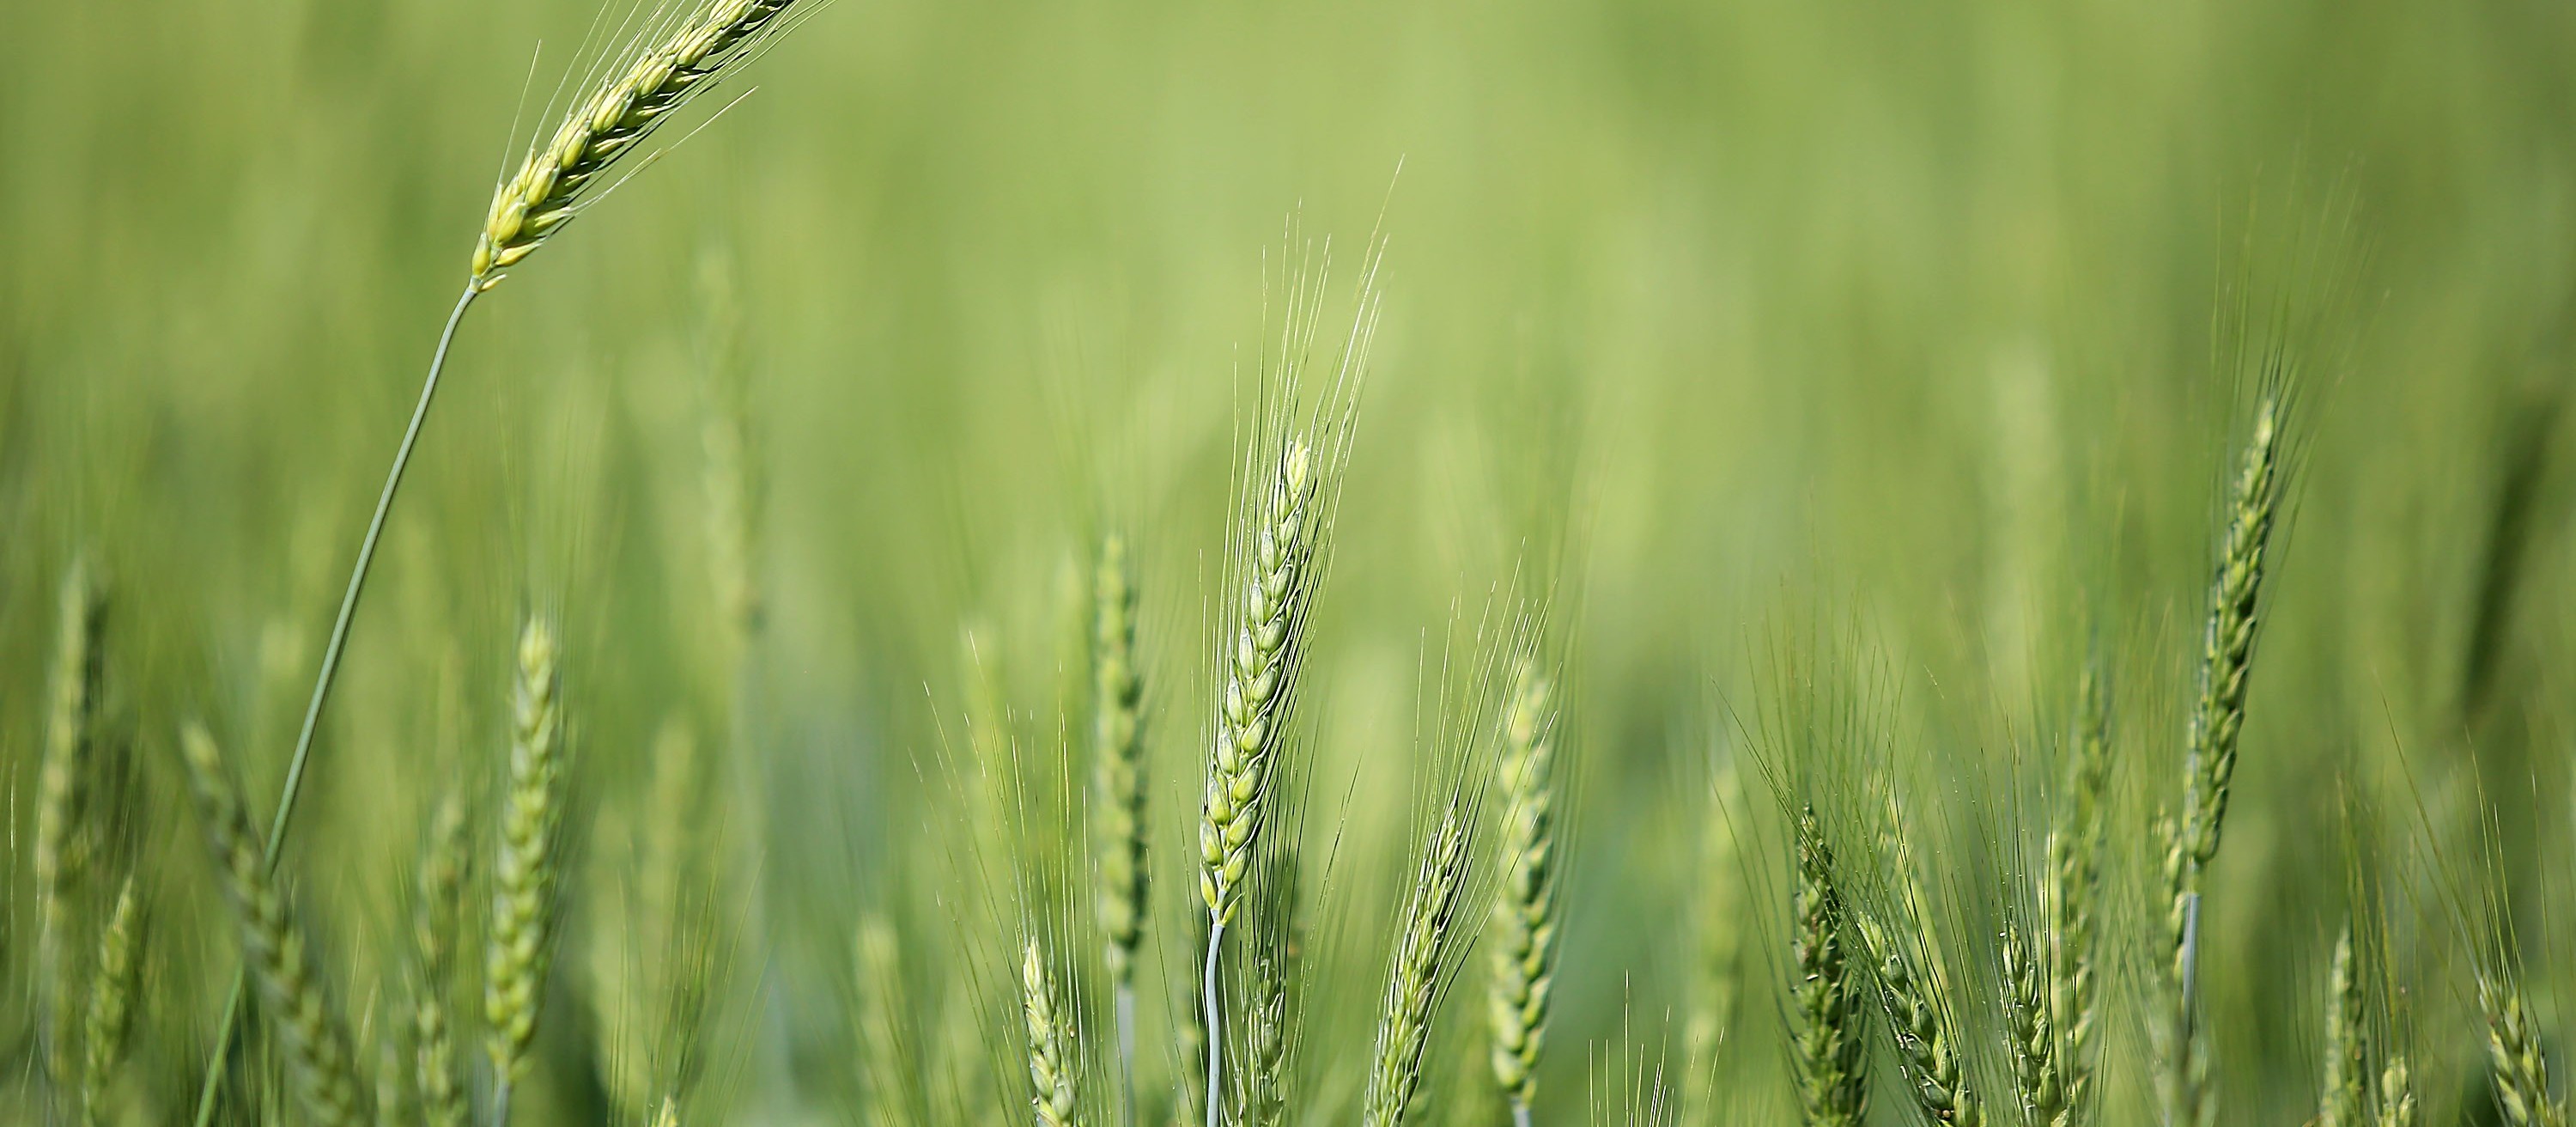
x=311, y=1032
x=1831, y=1048
x=1424, y=944
x=1523, y=933
x=2218, y=717
x=111, y=1003
x=2515, y=1058
x=2396, y=1095
x=1717, y=886
x=2036, y=1077
x=2071, y=898
x=1051, y=1043
x=2344, y=1099
x=60, y=852
x=524, y=868
x=1260, y=665
x=1924, y=1028
x=439, y=898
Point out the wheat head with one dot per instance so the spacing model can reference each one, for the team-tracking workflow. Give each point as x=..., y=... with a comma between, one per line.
x=524, y=869
x=1525, y=915
x=1425, y=944
x=1831, y=1045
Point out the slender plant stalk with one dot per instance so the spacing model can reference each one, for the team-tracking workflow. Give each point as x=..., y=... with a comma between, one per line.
x=1261, y=663
x=1424, y=945
x=2344, y=1098
x=2217, y=719
x=1831, y=1046
x=315, y=1039
x=1525, y=918
x=111, y=1003
x=1117, y=744
x=1051, y=1043
x=524, y=870
x=61, y=830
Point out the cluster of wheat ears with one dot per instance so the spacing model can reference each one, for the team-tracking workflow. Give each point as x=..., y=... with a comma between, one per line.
x=1867, y=976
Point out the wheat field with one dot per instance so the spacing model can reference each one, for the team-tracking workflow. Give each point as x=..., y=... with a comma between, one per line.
x=1123, y=564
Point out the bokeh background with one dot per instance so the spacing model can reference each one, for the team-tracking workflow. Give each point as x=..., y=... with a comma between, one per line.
x=1724, y=319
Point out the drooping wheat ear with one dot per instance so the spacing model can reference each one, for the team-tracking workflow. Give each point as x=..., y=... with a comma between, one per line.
x=61, y=798
x=887, y=1072
x=2209, y=765
x=1425, y=946
x=524, y=868
x=1264, y=1101
x=308, y=1027
x=2037, y=1078
x=1717, y=940
x=2395, y=1100
x=1923, y=1023
x=111, y=1003
x=439, y=901
x=1052, y=1044
x=1118, y=692
x=2343, y=1100
x=1525, y=914
x=2071, y=894
x=1832, y=1045
x=2515, y=1057
x=612, y=122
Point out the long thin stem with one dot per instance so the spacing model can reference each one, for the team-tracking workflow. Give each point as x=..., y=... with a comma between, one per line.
x=323, y=681
x=1215, y=1031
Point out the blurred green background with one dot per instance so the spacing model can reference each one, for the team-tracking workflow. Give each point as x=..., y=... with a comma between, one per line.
x=1901, y=313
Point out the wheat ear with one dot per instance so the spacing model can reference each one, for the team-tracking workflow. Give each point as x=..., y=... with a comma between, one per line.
x=111, y=1003
x=1831, y=1044
x=1052, y=1043
x=1526, y=913
x=2395, y=1100
x=2515, y=1057
x=1923, y=1024
x=2343, y=1099
x=1261, y=662
x=1266, y=1043
x=1424, y=947
x=2217, y=719
x=1118, y=774
x=528, y=208
x=524, y=868
x=317, y=1046
x=1718, y=942
x=439, y=900
x=61, y=799
x=2037, y=1079
x=2071, y=897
